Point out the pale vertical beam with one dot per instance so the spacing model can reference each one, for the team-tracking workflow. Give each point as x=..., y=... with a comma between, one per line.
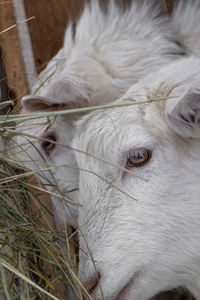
x=25, y=43
x=12, y=58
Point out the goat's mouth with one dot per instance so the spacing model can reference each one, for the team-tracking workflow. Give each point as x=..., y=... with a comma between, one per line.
x=176, y=294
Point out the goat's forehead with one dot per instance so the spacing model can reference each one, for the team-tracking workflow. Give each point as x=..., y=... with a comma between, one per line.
x=101, y=128
x=38, y=127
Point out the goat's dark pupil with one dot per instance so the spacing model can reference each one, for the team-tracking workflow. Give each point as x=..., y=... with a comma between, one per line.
x=46, y=144
x=137, y=155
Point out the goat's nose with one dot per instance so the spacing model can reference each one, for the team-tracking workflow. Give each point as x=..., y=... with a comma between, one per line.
x=91, y=285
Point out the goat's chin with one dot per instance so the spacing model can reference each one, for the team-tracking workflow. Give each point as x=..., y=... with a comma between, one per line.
x=174, y=295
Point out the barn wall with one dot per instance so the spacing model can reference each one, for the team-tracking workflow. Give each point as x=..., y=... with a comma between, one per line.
x=46, y=33
x=51, y=18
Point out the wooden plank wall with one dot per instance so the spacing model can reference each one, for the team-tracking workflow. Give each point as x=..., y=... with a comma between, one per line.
x=46, y=30
x=51, y=18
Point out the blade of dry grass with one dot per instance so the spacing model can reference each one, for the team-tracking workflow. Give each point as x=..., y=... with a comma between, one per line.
x=20, y=118
x=16, y=24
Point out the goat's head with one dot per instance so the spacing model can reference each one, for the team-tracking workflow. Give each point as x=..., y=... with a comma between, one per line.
x=139, y=221
x=49, y=146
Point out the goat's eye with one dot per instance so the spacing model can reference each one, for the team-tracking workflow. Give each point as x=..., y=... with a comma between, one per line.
x=48, y=142
x=138, y=157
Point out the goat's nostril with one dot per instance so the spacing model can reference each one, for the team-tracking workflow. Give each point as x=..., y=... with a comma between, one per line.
x=72, y=233
x=74, y=240
x=91, y=285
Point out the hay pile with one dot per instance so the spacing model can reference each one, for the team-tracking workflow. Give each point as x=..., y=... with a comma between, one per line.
x=33, y=262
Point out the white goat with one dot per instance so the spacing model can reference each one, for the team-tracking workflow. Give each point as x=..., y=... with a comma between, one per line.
x=139, y=221
x=110, y=51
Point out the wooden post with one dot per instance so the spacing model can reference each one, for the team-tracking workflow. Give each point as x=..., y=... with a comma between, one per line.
x=12, y=58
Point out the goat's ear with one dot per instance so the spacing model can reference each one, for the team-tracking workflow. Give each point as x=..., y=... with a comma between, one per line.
x=38, y=103
x=63, y=93
x=184, y=116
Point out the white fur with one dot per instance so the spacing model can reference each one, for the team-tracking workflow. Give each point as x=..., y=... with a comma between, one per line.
x=109, y=52
x=141, y=231
x=185, y=25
